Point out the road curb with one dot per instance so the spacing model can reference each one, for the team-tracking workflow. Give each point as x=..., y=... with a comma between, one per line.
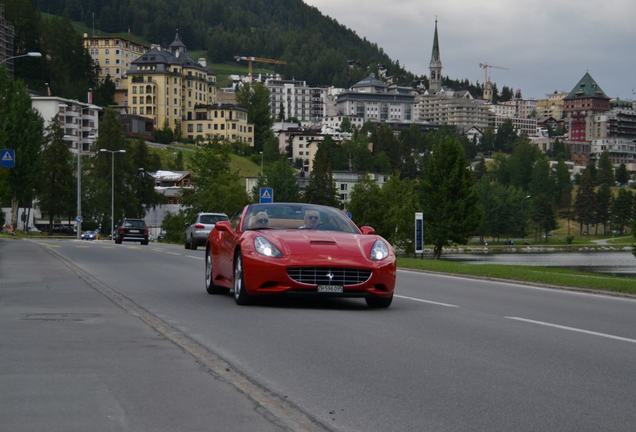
x=533, y=284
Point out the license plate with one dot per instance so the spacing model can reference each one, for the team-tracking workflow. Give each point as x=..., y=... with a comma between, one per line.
x=330, y=288
x=134, y=231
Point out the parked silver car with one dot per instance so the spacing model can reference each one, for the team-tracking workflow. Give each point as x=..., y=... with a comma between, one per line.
x=197, y=232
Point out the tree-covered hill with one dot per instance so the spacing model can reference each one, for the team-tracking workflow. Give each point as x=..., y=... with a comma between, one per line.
x=317, y=48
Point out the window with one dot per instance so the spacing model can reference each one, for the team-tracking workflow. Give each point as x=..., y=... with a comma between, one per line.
x=222, y=126
x=343, y=187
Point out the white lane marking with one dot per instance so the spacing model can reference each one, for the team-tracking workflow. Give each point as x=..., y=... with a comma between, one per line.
x=426, y=301
x=172, y=253
x=520, y=285
x=573, y=329
x=195, y=257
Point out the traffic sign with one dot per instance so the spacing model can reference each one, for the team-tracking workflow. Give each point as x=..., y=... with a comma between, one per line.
x=419, y=232
x=349, y=215
x=7, y=158
x=266, y=195
x=78, y=219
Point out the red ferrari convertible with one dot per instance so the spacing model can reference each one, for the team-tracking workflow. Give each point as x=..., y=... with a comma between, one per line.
x=288, y=248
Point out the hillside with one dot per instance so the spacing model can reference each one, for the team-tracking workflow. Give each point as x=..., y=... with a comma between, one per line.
x=317, y=48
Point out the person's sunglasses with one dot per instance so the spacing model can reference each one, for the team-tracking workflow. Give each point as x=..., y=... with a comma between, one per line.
x=312, y=217
x=263, y=221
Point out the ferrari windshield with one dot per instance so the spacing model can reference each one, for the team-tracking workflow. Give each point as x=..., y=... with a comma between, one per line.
x=297, y=216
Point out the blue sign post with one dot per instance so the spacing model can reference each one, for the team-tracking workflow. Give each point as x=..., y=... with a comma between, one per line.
x=266, y=195
x=419, y=233
x=7, y=158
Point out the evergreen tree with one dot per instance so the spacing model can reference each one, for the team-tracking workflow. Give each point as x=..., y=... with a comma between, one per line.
x=281, y=112
x=143, y=183
x=593, y=173
x=542, y=188
x=21, y=130
x=603, y=204
x=622, y=210
x=345, y=125
x=605, y=170
x=563, y=186
x=488, y=141
x=585, y=203
x=521, y=163
x=57, y=185
x=321, y=188
x=505, y=137
x=622, y=176
x=448, y=195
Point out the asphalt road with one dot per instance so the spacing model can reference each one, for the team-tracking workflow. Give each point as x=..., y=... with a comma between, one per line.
x=451, y=354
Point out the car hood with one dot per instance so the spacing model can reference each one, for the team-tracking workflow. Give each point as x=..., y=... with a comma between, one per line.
x=321, y=243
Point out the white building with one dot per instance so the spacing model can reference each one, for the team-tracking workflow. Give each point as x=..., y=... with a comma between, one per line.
x=453, y=108
x=372, y=100
x=335, y=122
x=297, y=100
x=79, y=120
x=346, y=181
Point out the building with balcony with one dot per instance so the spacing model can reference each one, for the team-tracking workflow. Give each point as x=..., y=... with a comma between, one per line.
x=79, y=120
x=6, y=41
x=166, y=85
x=113, y=55
x=224, y=122
x=552, y=105
x=375, y=101
x=295, y=99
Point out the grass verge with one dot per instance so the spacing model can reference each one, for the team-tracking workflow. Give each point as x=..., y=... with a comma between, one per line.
x=543, y=275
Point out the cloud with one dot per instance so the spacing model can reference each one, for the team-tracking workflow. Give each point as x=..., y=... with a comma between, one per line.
x=546, y=45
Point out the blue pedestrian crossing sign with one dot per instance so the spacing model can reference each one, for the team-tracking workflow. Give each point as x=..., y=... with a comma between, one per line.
x=7, y=158
x=266, y=195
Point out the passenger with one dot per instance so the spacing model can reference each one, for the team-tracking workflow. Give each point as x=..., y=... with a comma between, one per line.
x=312, y=220
x=259, y=220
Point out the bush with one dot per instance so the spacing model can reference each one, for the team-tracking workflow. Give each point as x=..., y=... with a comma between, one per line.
x=174, y=226
x=569, y=239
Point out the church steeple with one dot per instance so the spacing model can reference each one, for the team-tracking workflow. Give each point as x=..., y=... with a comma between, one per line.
x=435, y=65
x=177, y=47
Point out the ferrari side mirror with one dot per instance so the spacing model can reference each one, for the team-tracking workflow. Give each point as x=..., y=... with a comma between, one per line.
x=367, y=230
x=223, y=226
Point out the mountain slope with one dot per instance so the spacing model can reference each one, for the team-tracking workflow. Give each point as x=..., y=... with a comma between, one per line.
x=317, y=48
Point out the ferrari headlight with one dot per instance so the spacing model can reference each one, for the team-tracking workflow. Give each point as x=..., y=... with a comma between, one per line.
x=379, y=251
x=265, y=247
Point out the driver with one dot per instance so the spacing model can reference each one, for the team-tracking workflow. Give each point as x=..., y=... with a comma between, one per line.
x=312, y=219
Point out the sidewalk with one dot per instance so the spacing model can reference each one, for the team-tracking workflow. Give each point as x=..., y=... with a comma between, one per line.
x=71, y=360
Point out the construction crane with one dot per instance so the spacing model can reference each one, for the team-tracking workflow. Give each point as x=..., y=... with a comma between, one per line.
x=485, y=67
x=250, y=60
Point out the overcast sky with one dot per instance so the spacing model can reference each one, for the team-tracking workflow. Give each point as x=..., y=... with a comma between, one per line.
x=546, y=45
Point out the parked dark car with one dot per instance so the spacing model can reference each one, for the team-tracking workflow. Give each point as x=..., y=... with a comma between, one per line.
x=132, y=230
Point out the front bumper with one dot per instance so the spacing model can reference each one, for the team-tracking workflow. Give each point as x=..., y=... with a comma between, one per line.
x=263, y=275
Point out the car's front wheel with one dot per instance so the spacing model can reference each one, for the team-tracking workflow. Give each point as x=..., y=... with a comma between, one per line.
x=240, y=294
x=379, y=302
x=209, y=278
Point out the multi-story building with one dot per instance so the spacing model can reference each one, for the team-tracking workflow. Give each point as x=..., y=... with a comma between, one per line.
x=335, y=122
x=6, y=41
x=524, y=108
x=79, y=120
x=372, y=100
x=614, y=131
x=224, y=122
x=295, y=99
x=167, y=85
x=303, y=146
x=453, y=108
x=581, y=105
x=552, y=105
x=113, y=55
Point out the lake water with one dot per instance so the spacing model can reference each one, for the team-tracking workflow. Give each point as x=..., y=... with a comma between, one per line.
x=618, y=263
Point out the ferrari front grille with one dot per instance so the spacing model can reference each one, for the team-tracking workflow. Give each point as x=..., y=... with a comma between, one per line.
x=328, y=275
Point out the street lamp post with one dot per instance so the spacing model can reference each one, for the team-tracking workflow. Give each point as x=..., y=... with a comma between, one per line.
x=29, y=54
x=78, y=218
x=261, y=163
x=112, y=188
